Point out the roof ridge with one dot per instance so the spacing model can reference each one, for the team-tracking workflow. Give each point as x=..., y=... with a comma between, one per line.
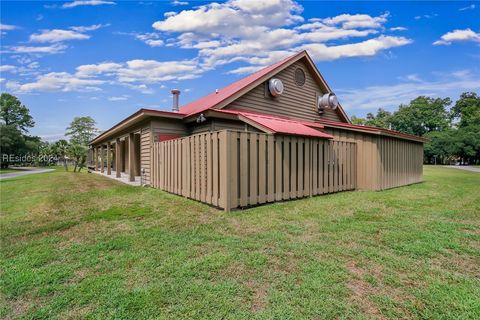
x=212, y=99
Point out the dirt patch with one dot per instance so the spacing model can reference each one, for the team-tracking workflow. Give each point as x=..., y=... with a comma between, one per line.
x=459, y=265
x=259, y=296
x=361, y=290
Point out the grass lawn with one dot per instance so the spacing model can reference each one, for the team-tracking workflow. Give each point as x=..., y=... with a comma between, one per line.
x=7, y=170
x=83, y=246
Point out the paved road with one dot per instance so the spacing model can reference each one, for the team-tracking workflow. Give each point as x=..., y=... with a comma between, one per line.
x=467, y=168
x=23, y=172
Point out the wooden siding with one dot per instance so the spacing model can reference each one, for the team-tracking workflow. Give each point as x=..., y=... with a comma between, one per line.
x=231, y=169
x=221, y=124
x=167, y=127
x=298, y=102
x=145, y=152
x=383, y=162
x=400, y=162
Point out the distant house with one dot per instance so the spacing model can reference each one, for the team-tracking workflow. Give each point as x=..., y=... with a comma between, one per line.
x=277, y=134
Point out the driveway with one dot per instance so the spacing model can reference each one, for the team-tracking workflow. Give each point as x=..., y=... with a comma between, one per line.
x=23, y=172
x=467, y=168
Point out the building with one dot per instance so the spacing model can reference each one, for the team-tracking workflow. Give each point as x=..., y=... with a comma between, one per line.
x=275, y=135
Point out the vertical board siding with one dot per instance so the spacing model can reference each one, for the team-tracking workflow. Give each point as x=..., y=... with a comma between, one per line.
x=401, y=162
x=231, y=169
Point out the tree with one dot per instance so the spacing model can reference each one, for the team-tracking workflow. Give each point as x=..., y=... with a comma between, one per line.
x=14, y=113
x=61, y=148
x=78, y=153
x=441, y=147
x=422, y=115
x=382, y=119
x=11, y=142
x=358, y=120
x=81, y=131
x=467, y=110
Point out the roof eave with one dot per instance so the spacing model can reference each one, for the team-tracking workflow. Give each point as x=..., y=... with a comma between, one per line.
x=134, y=119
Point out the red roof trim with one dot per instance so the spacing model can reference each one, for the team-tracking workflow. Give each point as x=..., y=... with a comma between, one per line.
x=372, y=129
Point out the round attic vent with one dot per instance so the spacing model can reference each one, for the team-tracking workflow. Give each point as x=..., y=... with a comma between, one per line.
x=299, y=77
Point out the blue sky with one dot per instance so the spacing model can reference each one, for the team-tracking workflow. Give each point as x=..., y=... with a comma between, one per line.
x=108, y=58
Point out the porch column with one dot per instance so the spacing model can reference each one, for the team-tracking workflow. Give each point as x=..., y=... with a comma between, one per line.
x=131, y=157
x=118, y=156
x=102, y=158
x=109, y=159
x=95, y=157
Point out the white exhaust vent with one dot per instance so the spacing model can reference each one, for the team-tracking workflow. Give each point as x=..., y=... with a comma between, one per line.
x=328, y=100
x=275, y=86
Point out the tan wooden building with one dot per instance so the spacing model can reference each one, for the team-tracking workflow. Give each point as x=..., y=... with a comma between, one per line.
x=277, y=134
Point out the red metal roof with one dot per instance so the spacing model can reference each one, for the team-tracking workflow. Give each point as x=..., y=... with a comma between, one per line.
x=212, y=99
x=282, y=125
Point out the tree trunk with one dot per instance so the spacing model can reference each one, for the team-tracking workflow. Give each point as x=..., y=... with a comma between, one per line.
x=65, y=164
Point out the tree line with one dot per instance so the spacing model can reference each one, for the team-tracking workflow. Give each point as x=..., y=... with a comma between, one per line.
x=453, y=129
x=17, y=147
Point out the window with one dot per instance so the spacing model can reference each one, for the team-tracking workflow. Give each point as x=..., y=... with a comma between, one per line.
x=299, y=77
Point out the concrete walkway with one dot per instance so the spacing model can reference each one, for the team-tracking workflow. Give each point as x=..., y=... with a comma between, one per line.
x=466, y=168
x=123, y=177
x=23, y=172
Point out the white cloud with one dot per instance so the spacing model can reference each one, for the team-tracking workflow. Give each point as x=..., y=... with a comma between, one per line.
x=412, y=77
x=133, y=74
x=348, y=21
x=458, y=36
x=260, y=32
x=391, y=96
x=89, y=28
x=470, y=7
x=143, y=88
x=6, y=27
x=150, y=38
x=398, y=29
x=154, y=43
x=426, y=16
x=52, y=49
x=179, y=3
x=57, y=35
x=86, y=3
x=39, y=17
x=118, y=98
x=56, y=82
x=233, y=18
x=360, y=49
x=106, y=68
x=8, y=68
x=152, y=71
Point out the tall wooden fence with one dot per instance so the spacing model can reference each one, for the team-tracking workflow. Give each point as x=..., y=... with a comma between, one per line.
x=231, y=169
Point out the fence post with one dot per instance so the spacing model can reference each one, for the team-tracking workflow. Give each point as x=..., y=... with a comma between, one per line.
x=225, y=165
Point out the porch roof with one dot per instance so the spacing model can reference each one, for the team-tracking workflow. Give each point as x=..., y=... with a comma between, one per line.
x=273, y=124
x=134, y=119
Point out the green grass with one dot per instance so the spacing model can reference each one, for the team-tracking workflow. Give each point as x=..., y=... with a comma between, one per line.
x=7, y=170
x=82, y=246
